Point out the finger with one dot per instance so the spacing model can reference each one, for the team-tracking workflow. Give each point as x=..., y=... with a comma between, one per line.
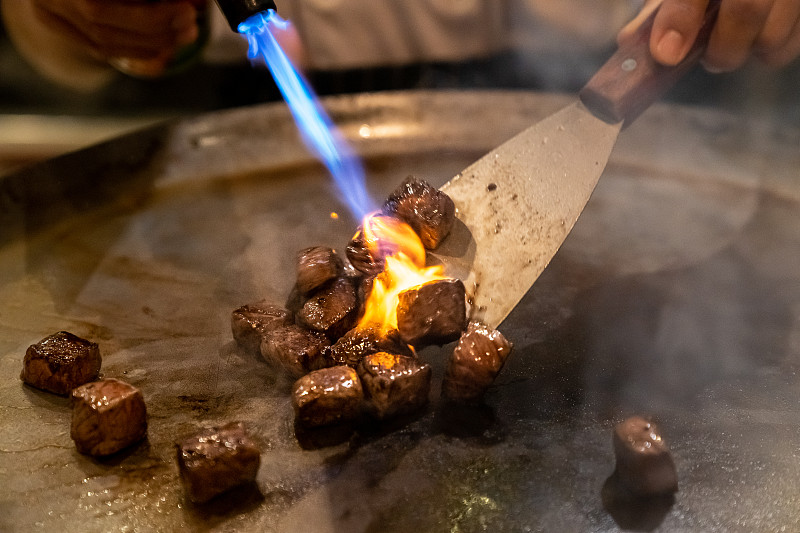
x=738, y=25
x=675, y=29
x=631, y=27
x=779, y=29
x=788, y=53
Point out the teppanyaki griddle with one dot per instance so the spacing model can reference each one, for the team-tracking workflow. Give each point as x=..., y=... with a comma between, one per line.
x=676, y=296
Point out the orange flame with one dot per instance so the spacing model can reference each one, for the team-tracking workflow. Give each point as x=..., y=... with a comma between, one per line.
x=404, y=268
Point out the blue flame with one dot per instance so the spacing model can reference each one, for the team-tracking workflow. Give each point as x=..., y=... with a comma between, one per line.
x=317, y=129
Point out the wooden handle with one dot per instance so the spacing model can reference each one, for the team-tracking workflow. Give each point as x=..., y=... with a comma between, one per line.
x=631, y=79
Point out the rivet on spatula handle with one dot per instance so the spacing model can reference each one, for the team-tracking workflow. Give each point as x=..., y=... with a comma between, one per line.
x=631, y=80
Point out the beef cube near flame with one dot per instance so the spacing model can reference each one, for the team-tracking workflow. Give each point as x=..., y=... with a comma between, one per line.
x=360, y=341
x=475, y=362
x=294, y=349
x=429, y=211
x=332, y=310
x=107, y=416
x=216, y=460
x=432, y=313
x=60, y=362
x=250, y=322
x=316, y=266
x=327, y=396
x=394, y=384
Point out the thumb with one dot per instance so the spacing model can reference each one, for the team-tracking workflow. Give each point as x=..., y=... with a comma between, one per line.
x=630, y=28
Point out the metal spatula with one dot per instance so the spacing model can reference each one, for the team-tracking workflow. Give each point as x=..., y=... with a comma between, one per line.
x=516, y=205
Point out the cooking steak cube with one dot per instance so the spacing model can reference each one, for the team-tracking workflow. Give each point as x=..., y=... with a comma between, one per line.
x=475, y=362
x=327, y=396
x=295, y=349
x=394, y=384
x=60, y=362
x=429, y=211
x=333, y=310
x=317, y=266
x=250, y=322
x=351, y=348
x=217, y=460
x=432, y=313
x=644, y=462
x=107, y=416
x=362, y=258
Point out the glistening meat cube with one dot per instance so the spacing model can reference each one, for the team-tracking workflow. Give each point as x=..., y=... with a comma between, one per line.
x=394, y=384
x=295, y=349
x=432, y=313
x=332, y=310
x=107, y=416
x=351, y=348
x=316, y=266
x=60, y=362
x=475, y=362
x=327, y=396
x=644, y=463
x=428, y=211
x=250, y=322
x=216, y=460
x=364, y=260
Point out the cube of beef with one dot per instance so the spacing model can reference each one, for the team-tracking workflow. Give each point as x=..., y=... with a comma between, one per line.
x=107, y=416
x=295, y=349
x=327, y=396
x=316, y=266
x=475, y=362
x=429, y=211
x=351, y=348
x=250, y=322
x=432, y=313
x=216, y=460
x=644, y=462
x=366, y=261
x=394, y=384
x=333, y=310
x=60, y=362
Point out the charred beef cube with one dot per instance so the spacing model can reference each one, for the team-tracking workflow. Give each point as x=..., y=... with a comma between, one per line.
x=644, y=462
x=429, y=211
x=217, y=460
x=475, y=362
x=316, y=266
x=327, y=396
x=250, y=322
x=362, y=258
x=333, y=310
x=351, y=348
x=295, y=349
x=60, y=362
x=394, y=384
x=432, y=313
x=107, y=416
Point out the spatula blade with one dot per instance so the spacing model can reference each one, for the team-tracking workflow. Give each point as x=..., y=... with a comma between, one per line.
x=516, y=205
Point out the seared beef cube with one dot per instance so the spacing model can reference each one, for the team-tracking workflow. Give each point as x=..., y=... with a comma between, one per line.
x=644, y=462
x=327, y=396
x=295, y=349
x=475, y=362
x=432, y=313
x=107, y=416
x=216, y=460
x=60, y=362
x=394, y=384
x=351, y=348
x=250, y=322
x=333, y=310
x=429, y=211
x=317, y=266
x=362, y=258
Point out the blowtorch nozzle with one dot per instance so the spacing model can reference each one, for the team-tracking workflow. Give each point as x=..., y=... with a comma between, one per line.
x=237, y=11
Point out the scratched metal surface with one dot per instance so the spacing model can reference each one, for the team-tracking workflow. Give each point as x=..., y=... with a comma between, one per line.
x=677, y=295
